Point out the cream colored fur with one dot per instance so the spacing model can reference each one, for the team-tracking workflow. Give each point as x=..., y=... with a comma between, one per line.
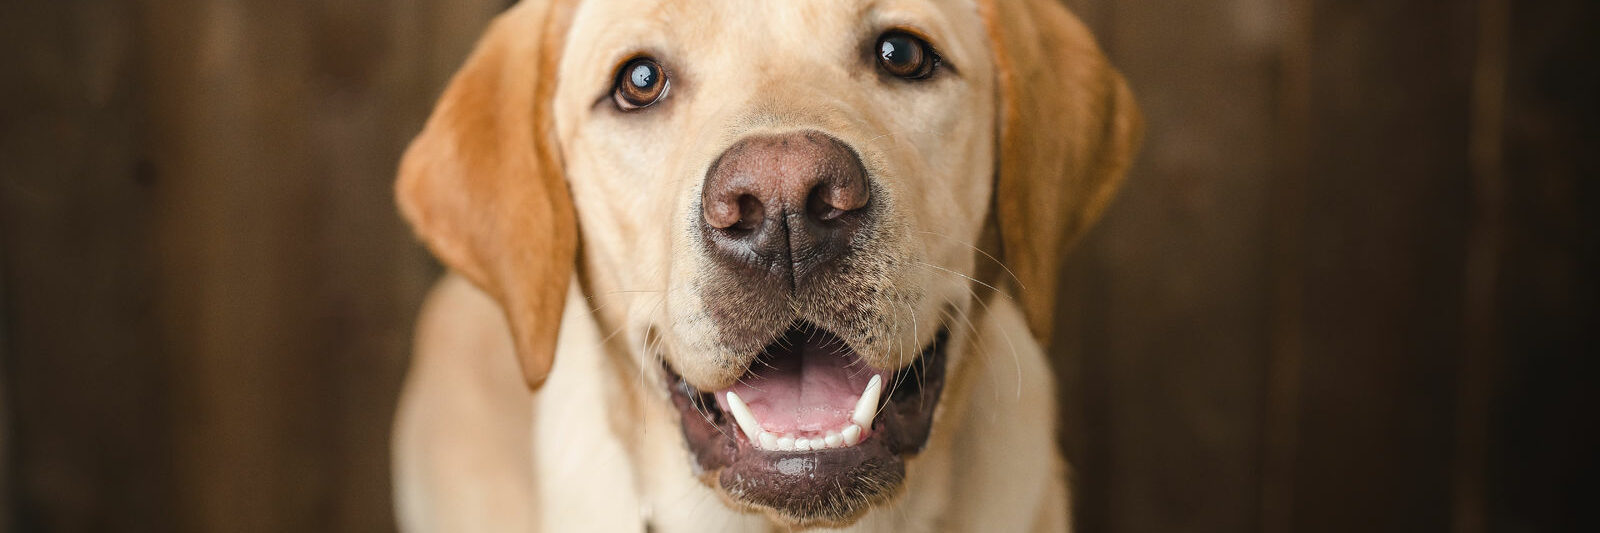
x=475, y=452
x=1005, y=159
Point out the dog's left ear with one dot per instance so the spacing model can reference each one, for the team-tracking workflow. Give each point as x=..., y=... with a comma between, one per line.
x=1068, y=130
x=483, y=183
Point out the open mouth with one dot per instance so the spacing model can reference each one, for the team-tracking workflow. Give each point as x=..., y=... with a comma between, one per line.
x=810, y=433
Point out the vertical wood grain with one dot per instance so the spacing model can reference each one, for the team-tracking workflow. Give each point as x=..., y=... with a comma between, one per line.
x=277, y=131
x=86, y=375
x=208, y=295
x=1170, y=311
x=1543, y=426
x=1385, y=235
x=1280, y=429
x=1480, y=360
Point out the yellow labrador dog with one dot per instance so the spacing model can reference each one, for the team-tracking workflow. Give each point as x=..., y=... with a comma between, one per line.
x=765, y=265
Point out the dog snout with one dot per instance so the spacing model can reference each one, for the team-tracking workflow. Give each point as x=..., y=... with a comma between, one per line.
x=784, y=205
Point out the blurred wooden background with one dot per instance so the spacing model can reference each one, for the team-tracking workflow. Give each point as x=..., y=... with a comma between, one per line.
x=1348, y=287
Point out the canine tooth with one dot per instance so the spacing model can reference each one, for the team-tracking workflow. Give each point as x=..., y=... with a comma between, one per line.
x=768, y=441
x=867, y=404
x=833, y=439
x=786, y=443
x=851, y=435
x=742, y=415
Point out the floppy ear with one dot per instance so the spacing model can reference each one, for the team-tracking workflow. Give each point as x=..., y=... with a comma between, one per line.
x=483, y=184
x=1068, y=130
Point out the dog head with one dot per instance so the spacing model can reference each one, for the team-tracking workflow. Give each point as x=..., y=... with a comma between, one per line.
x=785, y=207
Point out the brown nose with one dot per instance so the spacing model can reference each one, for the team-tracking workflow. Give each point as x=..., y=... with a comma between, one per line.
x=784, y=205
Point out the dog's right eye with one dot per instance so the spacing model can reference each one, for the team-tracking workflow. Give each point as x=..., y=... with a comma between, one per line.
x=640, y=83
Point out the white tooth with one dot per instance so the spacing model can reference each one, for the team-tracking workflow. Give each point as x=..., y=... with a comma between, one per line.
x=801, y=445
x=851, y=435
x=742, y=415
x=768, y=441
x=786, y=443
x=833, y=439
x=867, y=404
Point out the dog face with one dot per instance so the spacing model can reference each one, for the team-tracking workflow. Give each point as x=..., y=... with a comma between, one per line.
x=784, y=206
x=784, y=175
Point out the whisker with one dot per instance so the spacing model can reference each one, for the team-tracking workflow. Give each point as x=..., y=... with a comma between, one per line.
x=591, y=298
x=1002, y=264
x=1016, y=359
x=652, y=357
x=741, y=381
x=980, y=349
x=968, y=278
x=916, y=339
x=900, y=353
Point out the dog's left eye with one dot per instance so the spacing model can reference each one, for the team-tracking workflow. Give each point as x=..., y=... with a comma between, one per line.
x=905, y=56
x=640, y=84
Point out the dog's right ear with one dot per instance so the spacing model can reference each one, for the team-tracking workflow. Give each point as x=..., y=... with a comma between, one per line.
x=483, y=184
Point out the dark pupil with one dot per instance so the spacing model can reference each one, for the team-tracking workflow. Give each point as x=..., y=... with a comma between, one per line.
x=897, y=51
x=642, y=76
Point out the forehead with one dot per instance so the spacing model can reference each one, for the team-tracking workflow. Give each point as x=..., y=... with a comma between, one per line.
x=777, y=17
x=606, y=32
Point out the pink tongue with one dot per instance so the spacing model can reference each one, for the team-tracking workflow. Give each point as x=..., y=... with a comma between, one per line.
x=807, y=383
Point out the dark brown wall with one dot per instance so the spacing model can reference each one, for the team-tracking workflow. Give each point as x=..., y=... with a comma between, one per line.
x=208, y=295
x=1348, y=286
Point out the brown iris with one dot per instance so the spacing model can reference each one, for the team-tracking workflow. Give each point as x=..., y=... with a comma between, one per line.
x=640, y=83
x=904, y=55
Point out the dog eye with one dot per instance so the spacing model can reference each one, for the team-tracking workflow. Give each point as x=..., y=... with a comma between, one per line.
x=640, y=83
x=906, y=56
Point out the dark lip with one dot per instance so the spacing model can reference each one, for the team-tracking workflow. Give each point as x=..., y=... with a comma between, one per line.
x=816, y=488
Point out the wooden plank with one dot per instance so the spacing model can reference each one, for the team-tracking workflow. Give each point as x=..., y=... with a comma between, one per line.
x=276, y=131
x=1480, y=358
x=1280, y=431
x=1170, y=303
x=1543, y=427
x=7, y=424
x=76, y=214
x=1384, y=237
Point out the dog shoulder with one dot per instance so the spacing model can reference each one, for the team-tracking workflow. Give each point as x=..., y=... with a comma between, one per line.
x=462, y=432
x=475, y=450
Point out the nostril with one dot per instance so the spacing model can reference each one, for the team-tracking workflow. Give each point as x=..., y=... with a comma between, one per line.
x=842, y=190
x=733, y=210
x=820, y=209
x=751, y=213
